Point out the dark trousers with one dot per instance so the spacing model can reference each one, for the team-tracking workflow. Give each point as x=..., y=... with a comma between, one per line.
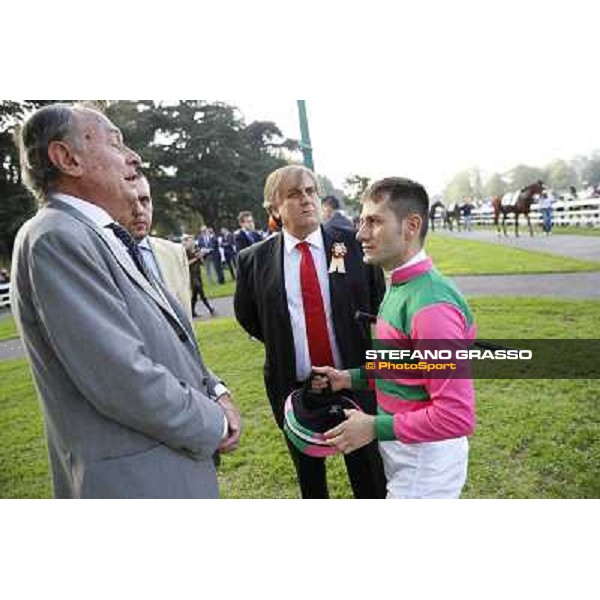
x=364, y=466
x=198, y=290
x=230, y=261
x=219, y=270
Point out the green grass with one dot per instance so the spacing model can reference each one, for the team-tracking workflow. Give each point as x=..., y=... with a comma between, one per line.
x=572, y=230
x=534, y=439
x=538, y=231
x=214, y=290
x=8, y=329
x=453, y=256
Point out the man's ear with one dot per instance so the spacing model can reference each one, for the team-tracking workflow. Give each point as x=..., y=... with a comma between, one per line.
x=413, y=224
x=62, y=156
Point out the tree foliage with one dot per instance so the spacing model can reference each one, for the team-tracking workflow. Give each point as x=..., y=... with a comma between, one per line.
x=590, y=173
x=354, y=187
x=561, y=175
x=495, y=186
x=524, y=175
x=16, y=204
x=460, y=187
x=204, y=163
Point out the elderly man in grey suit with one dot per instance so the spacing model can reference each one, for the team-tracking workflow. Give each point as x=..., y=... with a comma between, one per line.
x=167, y=260
x=130, y=409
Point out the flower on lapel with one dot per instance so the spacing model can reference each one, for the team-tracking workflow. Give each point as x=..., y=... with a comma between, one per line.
x=338, y=252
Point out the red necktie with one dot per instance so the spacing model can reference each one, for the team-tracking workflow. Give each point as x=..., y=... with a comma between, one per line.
x=319, y=346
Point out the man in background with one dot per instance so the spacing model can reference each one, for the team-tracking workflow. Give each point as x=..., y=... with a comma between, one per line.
x=246, y=235
x=332, y=214
x=166, y=260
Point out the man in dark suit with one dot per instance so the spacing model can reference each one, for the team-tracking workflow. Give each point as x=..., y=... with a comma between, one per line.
x=305, y=315
x=246, y=235
x=332, y=215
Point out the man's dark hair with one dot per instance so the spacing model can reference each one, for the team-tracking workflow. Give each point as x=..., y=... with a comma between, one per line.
x=332, y=202
x=405, y=197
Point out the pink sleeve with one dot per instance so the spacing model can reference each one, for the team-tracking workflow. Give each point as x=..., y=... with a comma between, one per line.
x=451, y=413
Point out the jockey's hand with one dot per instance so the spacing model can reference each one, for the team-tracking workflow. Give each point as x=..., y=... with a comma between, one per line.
x=355, y=432
x=339, y=380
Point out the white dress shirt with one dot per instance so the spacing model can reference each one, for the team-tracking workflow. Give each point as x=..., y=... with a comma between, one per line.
x=291, y=270
x=97, y=215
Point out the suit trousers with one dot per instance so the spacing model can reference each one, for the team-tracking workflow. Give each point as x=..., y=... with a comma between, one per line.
x=364, y=467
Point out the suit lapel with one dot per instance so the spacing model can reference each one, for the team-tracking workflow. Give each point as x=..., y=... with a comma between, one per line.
x=120, y=254
x=276, y=294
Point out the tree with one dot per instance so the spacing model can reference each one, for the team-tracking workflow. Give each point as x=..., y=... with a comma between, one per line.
x=17, y=204
x=204, y=163
x=561, y=175
x=590, y=173
x=354, y=187
x=524, y=175
x=476, y=183
x=328, y=189
x=495, y=186
x=460, y=186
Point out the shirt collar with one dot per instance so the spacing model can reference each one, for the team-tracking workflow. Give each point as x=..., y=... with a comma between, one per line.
x=314, y=239
x=144, y=244
x=420, y=263
x=93, y=212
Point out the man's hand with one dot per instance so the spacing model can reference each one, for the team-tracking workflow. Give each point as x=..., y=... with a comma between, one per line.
x=339, y=380
x=357, y=431
x=234, y=420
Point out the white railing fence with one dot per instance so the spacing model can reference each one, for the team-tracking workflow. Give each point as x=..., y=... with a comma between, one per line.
x=583, y=212
x=4, y=294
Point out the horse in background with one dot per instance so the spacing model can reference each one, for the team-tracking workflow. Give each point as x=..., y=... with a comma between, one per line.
x=520, y=204
x=450, y=215
x=453, y=215
x=432, y=213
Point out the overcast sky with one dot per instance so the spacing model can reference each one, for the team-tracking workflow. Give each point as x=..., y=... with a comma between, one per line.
x=431, y=138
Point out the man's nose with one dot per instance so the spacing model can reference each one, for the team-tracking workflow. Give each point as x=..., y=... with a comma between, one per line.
x=134, y=158
x=360, y=234
x=137, y=209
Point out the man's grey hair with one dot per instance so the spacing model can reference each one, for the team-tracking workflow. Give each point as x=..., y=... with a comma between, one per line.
x=274, y=181
x=55, y=122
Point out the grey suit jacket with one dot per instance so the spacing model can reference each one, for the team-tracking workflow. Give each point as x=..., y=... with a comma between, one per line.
x=128, y=404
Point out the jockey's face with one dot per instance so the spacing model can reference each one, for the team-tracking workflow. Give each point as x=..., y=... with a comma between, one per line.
x=387, y=242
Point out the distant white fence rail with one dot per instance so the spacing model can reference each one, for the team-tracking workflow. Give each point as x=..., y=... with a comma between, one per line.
x=583, y=212
x=4, y=294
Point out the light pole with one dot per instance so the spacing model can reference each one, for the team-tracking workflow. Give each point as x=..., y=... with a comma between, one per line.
x=305, y=141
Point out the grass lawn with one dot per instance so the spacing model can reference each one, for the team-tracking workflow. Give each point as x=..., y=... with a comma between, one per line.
x=453, y=256
x=534, y=438
x=572, y=230
x=538, y=231
x=8, y=329
x=214, y=290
